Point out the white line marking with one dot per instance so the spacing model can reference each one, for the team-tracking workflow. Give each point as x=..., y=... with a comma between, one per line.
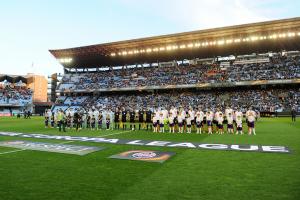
x=115, y=133
x=7, y=152
x=66, y=142
x=12, y=151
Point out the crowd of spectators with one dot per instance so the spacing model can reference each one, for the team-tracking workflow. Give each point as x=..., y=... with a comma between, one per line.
x=268, y=100
x=11, y=94
x=279, y=67
x=265, y=100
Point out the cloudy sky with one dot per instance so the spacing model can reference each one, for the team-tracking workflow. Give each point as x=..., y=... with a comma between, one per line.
x=28, y=29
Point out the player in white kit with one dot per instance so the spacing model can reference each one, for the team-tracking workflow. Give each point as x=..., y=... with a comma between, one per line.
x=154, y=122
x=209, y=118
x=199, y=121
x=230, y=123
x=251, y=115
x=189, y=123
x=192, y=113
x=180, y=123
x=220, y=120
x=239, y=122
x=216, y=119
x=161, y=122
x=171, y=123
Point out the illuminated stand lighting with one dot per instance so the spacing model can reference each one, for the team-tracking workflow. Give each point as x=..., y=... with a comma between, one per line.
x=208, y=43
x=65, y=60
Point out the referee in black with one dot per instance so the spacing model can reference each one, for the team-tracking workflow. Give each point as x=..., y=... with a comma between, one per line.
x=141, y=118
x=117, y=124
x=124, y=119
x=149, y=119
x=132, y=116
x=294, y=114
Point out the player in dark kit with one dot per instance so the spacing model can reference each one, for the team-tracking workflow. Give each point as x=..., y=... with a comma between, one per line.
x=141, y=119
x=107, y=122
x=124, y=113
x=136, y=119
x=77, y=120
x=132, y=115
x=100, y=117
x=88, y=122
x=52, y=120
x=46, y=121
x=149, y=119
x=293, y=114
x=69, y=121
x=93, y=123
x=117, y=121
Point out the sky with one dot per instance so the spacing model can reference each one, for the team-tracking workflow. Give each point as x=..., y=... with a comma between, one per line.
x=29, y=28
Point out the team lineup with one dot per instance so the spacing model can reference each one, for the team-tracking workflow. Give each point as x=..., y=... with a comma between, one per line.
x=159, y=120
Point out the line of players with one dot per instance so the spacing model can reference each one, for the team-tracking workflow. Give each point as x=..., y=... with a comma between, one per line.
x=70, y=118
x=185, y=120
x=179, y=120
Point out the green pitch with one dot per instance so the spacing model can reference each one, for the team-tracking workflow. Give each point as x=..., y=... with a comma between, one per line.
x=190, y=174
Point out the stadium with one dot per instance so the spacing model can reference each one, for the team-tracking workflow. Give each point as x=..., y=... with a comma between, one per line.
x=163, y=117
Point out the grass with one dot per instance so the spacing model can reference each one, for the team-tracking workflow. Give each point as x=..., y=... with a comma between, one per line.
x=190, y=174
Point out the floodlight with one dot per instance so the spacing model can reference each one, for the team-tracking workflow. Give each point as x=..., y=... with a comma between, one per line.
x=220, y=42
x=174, y=47
x=169, y=47
x=253, y=38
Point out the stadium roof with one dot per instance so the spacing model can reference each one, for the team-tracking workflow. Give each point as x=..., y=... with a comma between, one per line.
x=258, y=37
x=15, y=78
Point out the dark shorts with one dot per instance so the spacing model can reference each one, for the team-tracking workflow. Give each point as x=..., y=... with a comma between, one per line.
x=199, y=124
x=239, y=128
x=154, y=124
x=209, y=123
x=161, y=125
x=180, y=124
x=171, y=125
x=189, y=125
x=230, y=126
x=251, y=124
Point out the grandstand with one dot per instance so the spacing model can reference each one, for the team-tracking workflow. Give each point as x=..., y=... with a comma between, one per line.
x=254, y=64
x=15, y=97
x=22, y=93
